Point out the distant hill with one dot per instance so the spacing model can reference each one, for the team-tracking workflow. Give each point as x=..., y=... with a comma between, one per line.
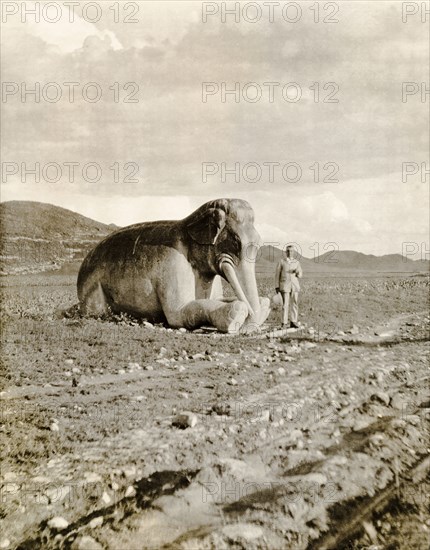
x=343, y=261
x=36, y=236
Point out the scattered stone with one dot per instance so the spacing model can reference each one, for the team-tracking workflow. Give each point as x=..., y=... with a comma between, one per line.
x=129, y=472
x=130, y=491
x=339, y=460
x=4, y=543
x=377, y=439
x=384, y=332
x=68, y=361
x=92, y=477
x=86, y=543
x=316, y=477
x=185, y=420
x=265, y=416
x=281, y=371
x=105, y=498
x=336, y=433
x=381, y=396
x=246, y=531
x=360, y=424
x=371, y=531
x=414, y=419
x=182, y=329
x=198, y=356
x=9, y=476
x=309, y=345
x=162, y=351
x=398, y=401
x=340, y=333
x=354, y=329
x=96, y=522
x=147, y=324
x=76, y=370
x=398, y=424
x=57, y=494
x=296, y=435
x=149, y=367
x=121, y=371
x=58, y=523
x=55, y=427
x=232, y=382
x=221, y=409
x=134, y=366
x=181, y=368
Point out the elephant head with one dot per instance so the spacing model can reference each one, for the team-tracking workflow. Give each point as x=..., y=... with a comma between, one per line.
x=222, y=240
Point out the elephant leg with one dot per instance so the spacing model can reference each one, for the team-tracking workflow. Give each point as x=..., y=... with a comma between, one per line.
x=216, y=290
x=226, y=317
x=264, y=310
x=254, y=326
x=95, y=302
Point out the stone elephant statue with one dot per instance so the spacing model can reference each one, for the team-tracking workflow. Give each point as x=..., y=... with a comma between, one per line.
x=170, y=270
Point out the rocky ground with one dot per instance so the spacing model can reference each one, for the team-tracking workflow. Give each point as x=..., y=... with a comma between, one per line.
x=119, y=434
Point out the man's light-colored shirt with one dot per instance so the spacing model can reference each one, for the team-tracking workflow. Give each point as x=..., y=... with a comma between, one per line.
x=288, y=273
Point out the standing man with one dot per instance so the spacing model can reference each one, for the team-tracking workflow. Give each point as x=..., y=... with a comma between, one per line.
x=288, y=273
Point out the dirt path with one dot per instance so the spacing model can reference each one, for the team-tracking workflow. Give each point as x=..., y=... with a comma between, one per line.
x=289, y=431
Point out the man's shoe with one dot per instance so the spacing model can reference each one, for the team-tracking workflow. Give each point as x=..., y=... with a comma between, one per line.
x=294, y=325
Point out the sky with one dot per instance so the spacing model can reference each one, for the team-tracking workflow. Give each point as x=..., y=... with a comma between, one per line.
x=335, y=150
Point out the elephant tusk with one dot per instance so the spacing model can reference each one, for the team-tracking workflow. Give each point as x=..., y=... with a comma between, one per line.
x=231, y=277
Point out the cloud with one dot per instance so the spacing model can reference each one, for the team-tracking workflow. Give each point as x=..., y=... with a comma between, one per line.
x=170, y=131
x=66, y=36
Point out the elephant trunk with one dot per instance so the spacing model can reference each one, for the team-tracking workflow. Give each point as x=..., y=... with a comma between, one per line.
x=242, y=280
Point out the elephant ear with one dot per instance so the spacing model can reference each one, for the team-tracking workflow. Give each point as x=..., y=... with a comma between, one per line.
x=204, y=229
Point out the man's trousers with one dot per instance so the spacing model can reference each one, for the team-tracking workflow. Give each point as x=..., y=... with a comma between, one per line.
x=290, y=299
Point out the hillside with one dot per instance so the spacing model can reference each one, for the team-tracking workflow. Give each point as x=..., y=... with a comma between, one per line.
x=343, y=261
x=41, y=237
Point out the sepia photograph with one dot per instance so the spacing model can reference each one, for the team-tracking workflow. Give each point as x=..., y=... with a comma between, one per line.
x=215, y=275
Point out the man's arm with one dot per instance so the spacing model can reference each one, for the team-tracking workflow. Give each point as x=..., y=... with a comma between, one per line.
x=299, y=272
x=277, y=276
